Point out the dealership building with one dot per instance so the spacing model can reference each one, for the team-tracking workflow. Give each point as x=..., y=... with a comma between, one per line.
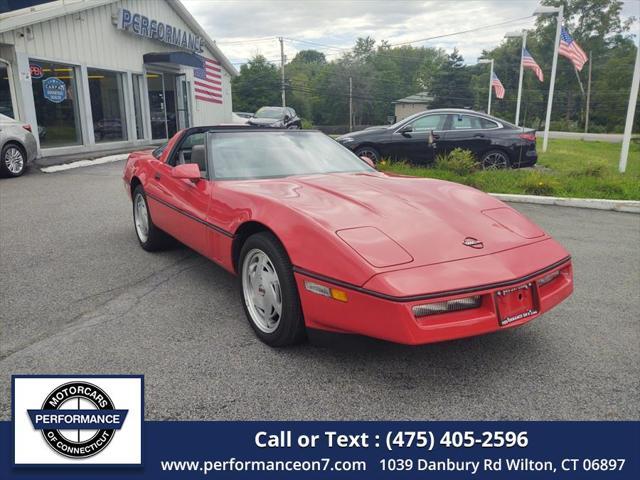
x=92, y=75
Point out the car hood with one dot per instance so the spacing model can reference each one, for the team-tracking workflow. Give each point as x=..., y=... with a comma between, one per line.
x=263, y=121
x=405, y=221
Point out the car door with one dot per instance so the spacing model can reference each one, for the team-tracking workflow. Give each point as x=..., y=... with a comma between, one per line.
x=468, y=132
x=183, y=204
x=411, y=141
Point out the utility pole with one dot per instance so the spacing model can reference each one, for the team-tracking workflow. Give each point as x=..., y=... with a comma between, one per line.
x=631, y=111
x=586, y=115
x=284, y=101
x=350, y=104
x=559, y=19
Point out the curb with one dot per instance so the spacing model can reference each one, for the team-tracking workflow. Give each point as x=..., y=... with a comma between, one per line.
x=628, y=206
x=84, y=163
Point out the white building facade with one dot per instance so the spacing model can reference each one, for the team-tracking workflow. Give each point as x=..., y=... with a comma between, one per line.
x=92, y=75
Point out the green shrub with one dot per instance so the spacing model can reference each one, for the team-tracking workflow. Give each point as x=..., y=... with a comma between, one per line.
x=458, y=161
x=306, y=124
x=536, y=183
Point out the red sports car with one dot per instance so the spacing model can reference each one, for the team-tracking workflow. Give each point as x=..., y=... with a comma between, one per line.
x=320, y=239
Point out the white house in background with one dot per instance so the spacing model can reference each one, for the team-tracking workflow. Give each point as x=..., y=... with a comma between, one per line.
x=94, y=75
x=412, y=104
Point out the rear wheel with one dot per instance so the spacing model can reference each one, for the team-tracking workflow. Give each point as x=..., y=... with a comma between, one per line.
x=13, y=161
x=271, y=302
x=494, y=160
x=368, y=152
x=151, y=238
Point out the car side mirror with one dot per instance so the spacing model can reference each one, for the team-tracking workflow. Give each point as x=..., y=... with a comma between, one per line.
x=188, y=171
x=368, y=161
x=406, y=129
x=431, y=138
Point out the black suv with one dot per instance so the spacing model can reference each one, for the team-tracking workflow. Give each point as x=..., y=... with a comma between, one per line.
x=276, y=117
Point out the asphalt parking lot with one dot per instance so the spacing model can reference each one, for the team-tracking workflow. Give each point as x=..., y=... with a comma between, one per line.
x=80, y=296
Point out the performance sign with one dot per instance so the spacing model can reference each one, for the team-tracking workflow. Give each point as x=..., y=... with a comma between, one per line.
x=144, y=26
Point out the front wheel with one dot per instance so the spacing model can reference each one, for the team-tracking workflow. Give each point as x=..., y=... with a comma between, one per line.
x=494, y=160
x=151, y=238
x=368, y=152
x=271, y=302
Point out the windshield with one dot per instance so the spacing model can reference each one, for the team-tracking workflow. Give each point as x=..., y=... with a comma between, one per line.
x=270, y=112
x=245, y=155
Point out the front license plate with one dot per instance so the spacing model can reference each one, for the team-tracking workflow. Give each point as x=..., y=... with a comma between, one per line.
x=516, y=303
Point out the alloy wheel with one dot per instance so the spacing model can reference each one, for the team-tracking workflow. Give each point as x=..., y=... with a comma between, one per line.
x=261, y=290
x=141, y=217
x=495, y=161
x=14, y=160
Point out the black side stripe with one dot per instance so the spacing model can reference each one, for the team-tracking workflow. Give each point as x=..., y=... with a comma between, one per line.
x=429, y=296
x=187, y=214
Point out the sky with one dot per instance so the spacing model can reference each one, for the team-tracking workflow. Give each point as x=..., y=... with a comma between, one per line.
x=243, y=28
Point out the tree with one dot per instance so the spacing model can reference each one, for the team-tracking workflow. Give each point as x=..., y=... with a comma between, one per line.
x=257, y=85
x=451, y=85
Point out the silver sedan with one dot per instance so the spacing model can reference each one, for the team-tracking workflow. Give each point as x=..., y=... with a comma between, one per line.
x=17, y=147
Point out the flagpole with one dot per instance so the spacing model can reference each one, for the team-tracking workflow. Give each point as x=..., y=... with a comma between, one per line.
x=631, y=111
x=524, y=46
x=586, y=119
x=547, y=122
x=490, y=88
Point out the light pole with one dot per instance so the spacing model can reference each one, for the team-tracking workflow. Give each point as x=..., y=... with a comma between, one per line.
x=522, y=34
x=560, y=12
x=490, y=61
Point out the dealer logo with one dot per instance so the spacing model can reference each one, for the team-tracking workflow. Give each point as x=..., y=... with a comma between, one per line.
x=78, y=419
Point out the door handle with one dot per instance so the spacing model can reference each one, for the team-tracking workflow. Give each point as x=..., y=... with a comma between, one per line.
x=478, y=135
x=157, y=175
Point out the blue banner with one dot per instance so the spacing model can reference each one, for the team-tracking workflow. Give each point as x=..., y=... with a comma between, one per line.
x=367, y=450
x=73, y=419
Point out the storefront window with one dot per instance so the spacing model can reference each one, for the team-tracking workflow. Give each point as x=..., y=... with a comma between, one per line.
x=55, y=96
x=107, y=105
x=6, y=108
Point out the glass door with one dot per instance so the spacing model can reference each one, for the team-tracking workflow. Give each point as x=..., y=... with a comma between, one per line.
x=183, y=102
x=157, y=105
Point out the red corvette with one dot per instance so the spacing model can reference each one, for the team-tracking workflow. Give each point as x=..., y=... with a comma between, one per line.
x=320, y=239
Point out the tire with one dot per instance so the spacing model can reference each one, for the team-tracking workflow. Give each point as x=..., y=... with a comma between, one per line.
x=369, y=152
x=13, y=161
x=269, y=292
x=495, y=160
x=151, y=238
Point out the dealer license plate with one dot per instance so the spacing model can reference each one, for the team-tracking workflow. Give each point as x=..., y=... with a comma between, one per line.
x=516, y=303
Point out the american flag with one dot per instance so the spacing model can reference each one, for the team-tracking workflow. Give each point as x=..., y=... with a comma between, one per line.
x=208, y=81
x=497, y=86
x=529, y=62
x=570, y=49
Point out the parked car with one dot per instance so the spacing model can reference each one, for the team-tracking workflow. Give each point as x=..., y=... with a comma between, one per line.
x=276, y=117
x=18, y=146
x=107, y=128
x=420, y=138
x=244, y=114
x=320, y=239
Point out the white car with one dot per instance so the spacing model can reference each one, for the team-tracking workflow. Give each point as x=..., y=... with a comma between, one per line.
x=18, y=146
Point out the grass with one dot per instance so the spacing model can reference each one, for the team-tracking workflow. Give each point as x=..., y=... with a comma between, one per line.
x=570, y=168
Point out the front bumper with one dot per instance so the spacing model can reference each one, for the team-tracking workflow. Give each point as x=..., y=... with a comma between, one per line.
x=367, y=313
